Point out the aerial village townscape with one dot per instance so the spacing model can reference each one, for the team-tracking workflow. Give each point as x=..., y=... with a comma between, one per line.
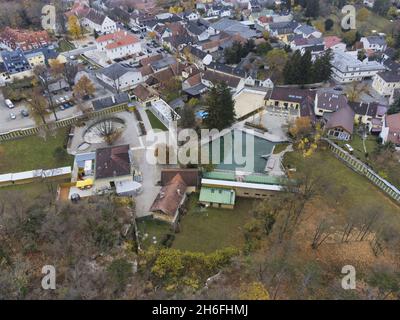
x=93, y=95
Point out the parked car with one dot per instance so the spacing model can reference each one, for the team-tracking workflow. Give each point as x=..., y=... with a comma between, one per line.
x=13, y=116
x=9, y=104
x=24, y=113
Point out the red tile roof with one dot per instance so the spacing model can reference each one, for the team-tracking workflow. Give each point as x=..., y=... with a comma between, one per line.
x=118, y=39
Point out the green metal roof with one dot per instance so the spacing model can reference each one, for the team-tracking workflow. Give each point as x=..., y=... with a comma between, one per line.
x=217, y=195
x=264, y=179
x=219, y=175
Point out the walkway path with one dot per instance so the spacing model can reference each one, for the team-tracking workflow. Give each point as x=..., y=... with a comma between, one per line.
x=274, y=164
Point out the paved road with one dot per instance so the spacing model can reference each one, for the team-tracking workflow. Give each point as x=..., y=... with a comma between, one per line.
x=78, y=51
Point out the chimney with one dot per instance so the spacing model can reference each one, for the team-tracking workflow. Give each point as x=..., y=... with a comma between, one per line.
x=113, y=99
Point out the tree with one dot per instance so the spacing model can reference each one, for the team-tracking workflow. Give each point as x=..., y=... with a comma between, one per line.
x=363, y=14
x=69, y=72
x=350, y=37
x=38, y=104
x=328, y=24
x=263, y=48
x=312, y=8
x=74, y=27
x=220, y=107
x=322, y=67
x=395, y=107
x=188, y=118
x=355, y=90
x=43, y=77
x=254, y=291
x=381, y=7
x=276, y=60
x=392, y=12
x=84, y=88
x=120, y=270
x=301, y=128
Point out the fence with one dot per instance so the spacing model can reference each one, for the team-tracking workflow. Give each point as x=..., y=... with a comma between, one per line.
x=20, y=133
x=364, y=170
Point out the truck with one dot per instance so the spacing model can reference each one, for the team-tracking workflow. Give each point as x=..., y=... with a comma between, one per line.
x=9, y=104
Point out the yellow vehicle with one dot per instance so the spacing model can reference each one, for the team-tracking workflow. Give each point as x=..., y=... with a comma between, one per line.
x=84, y=184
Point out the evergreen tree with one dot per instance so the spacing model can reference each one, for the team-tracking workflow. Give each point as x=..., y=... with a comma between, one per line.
x=312, y=8
x=322, y=68
x=395, y=107
x=188, y=118
x=305, y=68
x=220, y=110
x=291, y=71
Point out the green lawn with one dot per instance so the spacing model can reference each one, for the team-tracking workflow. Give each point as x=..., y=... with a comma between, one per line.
x=64, y=45
x=155, y=122
x=357, y=144
x=374, y=22
x=153, y=228
x=206, y=230
x=33, y=152
x=360, y=192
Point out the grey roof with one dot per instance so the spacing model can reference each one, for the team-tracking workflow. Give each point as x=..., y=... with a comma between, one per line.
x=331, y=101
x=195, y=28
x=197, y=52
x=58, y=85
x=196, y=90
x=234, y=27
x=345, y=62
x=110, y=101
x=95, y=16
x=377, y=40
x=306, y=29
x=226, y=69
x=390, y=76
x=15, y=61
x=283, y=27
x=366, y=109
x=2, y=67
x=163, y=63
x=116, y=71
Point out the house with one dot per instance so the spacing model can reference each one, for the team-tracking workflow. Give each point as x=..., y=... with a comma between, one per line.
x=167, y=205
x=16, y=64
x=212, y=77
x=307, y=31
x=326, y=102
x=369, y=113
x=111, y=101
x=374, y=43
x=178, y=42
x=292, y=102
x=191, y=177
x=196, y=29
x=23, y=39
x=231, y=27
x=144, y=94
x=334, y=43
x=44, y=55
x=347, y=68
x=119, y=44
x=113, y=164
x=191, y=15
x=35, y=58
x=97, y=21
x=369, y=3
x=391, y=129
x=386, y=82
x=120, y=77
x=200, y=58
x=340, y=124
x=282, y=30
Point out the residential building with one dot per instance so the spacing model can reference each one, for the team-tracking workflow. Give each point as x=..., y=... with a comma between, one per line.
x=111, y=101
x=191, y=177
x=347, y=68
x=307, y=31
x=95, y=20
x=119, y=44
x=120, y=77
x=200, y=58
x=191, y=15
x=23, y=39
x=35, y=58
x=374, y=43
x=232, y=27
x=370, y=114
x=386, y=82
x=164, y=112
x=334, y=43
x=327, y=102
x=391, y=129
x=340, y=124
x=282, y=30
x=167, y=206
x=16, y=64
x=144, y=94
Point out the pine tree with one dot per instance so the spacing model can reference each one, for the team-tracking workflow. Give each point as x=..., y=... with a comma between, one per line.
x=305, y=68
x=220, y=110
x=188, y=118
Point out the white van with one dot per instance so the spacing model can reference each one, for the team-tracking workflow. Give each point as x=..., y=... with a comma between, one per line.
x=9, y=104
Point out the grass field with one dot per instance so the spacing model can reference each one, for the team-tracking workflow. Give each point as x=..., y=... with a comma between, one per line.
x=155, y=230
x=360, y=192
x=155, y=122
x=357, y=144
x=207, y=230
x=64, y=45
x=32, y=152
x=365, y=27
x=280, y=147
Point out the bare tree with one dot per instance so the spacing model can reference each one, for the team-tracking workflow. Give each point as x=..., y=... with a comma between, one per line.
x=42, y=74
